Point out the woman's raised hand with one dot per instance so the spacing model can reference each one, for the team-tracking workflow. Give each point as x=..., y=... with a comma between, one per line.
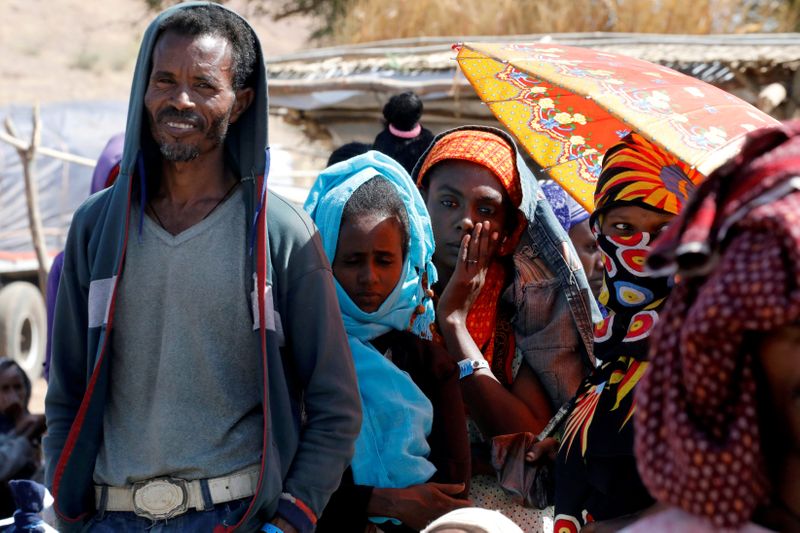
x=475, y=255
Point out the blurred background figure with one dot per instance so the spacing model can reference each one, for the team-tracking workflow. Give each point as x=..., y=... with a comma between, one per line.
x=718, y=422
x=346, y=151
x=20, y=433
x=403, y=139
x=104, y=175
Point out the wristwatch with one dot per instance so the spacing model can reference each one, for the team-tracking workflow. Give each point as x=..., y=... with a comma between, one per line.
x=467, y=367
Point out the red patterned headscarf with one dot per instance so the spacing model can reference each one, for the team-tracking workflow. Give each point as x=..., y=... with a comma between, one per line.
x=638, y=172
x=736, y=249
x=493, y=152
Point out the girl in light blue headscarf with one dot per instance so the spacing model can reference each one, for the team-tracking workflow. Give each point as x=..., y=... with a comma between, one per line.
x=411, y=458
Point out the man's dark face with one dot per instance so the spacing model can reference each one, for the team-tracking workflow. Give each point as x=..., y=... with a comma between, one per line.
x=13, y=393
x=190, y=99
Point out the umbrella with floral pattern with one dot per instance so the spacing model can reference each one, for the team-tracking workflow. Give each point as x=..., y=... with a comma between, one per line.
x=568, y=105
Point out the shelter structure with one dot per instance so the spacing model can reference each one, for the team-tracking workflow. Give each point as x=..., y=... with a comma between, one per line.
x=339, y=92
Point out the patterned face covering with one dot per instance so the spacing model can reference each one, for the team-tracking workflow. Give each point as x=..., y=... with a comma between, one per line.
x=632, y=296
x=596, y=475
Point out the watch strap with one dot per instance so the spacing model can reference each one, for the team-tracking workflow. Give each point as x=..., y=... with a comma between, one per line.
x=467, y=367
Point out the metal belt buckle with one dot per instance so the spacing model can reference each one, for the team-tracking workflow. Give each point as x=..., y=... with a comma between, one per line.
x=161, y=498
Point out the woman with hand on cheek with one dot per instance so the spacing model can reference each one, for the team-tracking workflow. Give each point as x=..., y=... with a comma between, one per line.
x=487, y=220
x=411, y=461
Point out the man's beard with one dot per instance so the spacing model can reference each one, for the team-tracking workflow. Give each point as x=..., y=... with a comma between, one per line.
x=179, y=152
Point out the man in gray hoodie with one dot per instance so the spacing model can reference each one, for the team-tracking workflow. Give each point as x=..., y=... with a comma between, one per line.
x=201, y=377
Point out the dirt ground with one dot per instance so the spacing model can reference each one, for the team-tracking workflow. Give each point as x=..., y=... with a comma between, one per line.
x=54, y=50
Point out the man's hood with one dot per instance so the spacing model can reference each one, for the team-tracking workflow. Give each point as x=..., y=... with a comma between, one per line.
x=246, y=142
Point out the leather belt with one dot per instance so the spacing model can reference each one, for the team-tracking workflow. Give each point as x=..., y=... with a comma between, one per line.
x=166, y=497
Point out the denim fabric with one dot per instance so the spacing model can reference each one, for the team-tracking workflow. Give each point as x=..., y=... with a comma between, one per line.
x=191, y=522
x=546, y=330
x=551, y=243
x=554, y=332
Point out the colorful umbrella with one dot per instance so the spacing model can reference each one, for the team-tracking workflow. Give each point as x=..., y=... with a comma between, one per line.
x=567, y=105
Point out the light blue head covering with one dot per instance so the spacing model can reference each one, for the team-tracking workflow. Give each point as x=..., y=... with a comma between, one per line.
x=325, y=203
x=392, y=448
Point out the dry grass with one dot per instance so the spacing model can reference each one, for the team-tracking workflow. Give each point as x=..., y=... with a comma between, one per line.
x=370, y=20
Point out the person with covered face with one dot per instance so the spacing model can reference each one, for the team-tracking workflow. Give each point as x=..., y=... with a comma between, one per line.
x=640, y=190
x=514, y=307
x=718, y=417
x=201, y=377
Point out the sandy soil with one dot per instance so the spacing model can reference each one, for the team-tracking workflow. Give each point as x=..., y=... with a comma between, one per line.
x=56, y=50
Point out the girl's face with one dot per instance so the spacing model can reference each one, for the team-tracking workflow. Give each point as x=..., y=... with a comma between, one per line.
x=369, y=259
x=630, y=219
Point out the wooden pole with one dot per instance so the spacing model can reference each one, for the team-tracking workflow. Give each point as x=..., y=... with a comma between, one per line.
x=49, y=152
x=28, y=156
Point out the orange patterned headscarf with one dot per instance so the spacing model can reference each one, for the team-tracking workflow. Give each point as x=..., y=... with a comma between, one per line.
x=480, y=147
x=495, y=153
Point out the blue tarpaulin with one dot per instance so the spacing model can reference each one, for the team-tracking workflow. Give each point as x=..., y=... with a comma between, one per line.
x=78, y=128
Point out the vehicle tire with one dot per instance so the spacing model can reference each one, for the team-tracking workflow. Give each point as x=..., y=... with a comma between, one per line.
x=23, y=326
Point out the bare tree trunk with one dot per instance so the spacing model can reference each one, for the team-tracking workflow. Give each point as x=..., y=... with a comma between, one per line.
x=28, y=156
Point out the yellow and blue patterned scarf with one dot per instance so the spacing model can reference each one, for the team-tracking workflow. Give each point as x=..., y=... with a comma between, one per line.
x=596, y=477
